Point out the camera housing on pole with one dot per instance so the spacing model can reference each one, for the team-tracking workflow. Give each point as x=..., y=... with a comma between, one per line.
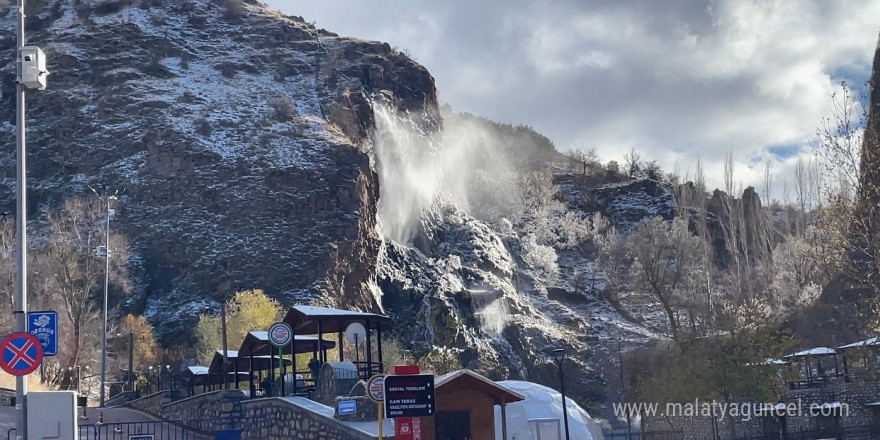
x=33, y=68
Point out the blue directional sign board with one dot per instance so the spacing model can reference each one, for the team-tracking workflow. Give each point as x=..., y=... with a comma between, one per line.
x=229, y=434
x=347, y=407
x=44, y=327
x=141, y=437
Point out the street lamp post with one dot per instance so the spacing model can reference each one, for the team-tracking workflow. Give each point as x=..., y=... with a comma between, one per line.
x=559, y=356
x=106, y=288
x=170, y=379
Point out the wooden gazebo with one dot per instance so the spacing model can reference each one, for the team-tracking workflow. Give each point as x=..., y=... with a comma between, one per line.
x=319, y=321
x=256, y=346
x=238, y=368
x=864, y=351
x=807, y=356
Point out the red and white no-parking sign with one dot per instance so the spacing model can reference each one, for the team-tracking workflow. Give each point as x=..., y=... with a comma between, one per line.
x=21, y=354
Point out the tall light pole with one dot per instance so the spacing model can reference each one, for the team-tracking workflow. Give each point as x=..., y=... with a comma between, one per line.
x=559, y=355
x=106, y=288
x=30, y=70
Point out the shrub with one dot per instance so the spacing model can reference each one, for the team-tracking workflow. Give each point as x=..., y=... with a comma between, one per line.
x=203, y=127
x=233, y=9
x=282, y=109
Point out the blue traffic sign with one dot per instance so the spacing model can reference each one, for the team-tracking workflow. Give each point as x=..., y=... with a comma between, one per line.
x=20, y=354
x=347, y=407
x=44, y=327
x=141, y=437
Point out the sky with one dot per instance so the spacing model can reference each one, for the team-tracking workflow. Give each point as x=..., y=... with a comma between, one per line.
x=677, y=80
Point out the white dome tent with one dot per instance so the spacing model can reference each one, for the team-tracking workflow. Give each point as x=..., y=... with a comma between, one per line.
x=540, y=414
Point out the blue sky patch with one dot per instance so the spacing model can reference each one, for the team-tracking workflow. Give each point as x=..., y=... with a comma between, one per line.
x=784, y=151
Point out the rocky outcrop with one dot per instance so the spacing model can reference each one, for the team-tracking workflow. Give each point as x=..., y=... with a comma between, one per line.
x=237, y=135
x=870, y=163
x=627, y=203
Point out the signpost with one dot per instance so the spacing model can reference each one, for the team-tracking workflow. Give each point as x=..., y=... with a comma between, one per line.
x=141, y=437
x=376, y=393
x=44, y=327
x=410, y=395
x=22, y=354
x=281, y=335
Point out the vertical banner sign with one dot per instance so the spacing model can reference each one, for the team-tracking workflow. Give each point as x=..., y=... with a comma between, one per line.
x=44, y=327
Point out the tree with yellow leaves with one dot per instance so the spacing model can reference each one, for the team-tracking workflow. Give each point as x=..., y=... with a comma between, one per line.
x=248, y=310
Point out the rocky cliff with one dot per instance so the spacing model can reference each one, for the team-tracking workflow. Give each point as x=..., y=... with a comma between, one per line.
x=236, y=133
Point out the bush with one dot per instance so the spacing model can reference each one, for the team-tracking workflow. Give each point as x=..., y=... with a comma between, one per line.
x=227, y=70
x=203, y=127
x=540, y=258
x=282, y=109
x=233, y=9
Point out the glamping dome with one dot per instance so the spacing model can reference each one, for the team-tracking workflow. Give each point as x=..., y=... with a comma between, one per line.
x=539, y=416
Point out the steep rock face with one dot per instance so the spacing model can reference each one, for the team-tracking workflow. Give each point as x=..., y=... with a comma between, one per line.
x=235, y=133
x=627, y=203
x=870, y=163
x=468, y=293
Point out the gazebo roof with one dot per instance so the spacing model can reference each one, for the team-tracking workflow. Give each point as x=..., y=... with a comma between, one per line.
x=875, y=341
x=304, y=319
x=499, y=394
x=818, y=351
x=244, y=364
x=196, y=370
x=256, y=343
x=198, y=374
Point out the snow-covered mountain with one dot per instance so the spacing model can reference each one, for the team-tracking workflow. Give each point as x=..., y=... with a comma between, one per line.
x=245, y=141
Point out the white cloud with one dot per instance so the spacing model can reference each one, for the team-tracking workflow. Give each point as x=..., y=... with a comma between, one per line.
x=675, y=79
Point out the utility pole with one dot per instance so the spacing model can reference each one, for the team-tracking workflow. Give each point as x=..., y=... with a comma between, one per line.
x=623, y=387
x=130, y=361
x=21, y=382
x=106, y=201
x=106, y=286
x=225, y=347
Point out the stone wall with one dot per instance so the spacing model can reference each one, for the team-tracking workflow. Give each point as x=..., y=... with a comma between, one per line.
x=207, y=412
x=6, y=397
x=151, y=404
x=852, y=412
x=122, y=398
x=265, y=419
x=279, y=419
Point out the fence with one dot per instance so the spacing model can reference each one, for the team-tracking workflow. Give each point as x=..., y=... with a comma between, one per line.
x=160, y=430
x=864, y=432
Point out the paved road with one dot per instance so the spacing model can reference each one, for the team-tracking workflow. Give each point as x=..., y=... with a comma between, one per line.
x=119, y=424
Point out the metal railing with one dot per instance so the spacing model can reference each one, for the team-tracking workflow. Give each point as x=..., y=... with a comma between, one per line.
x=862, y=432
x=623, y=435
x=672, y=434
x=161, y=430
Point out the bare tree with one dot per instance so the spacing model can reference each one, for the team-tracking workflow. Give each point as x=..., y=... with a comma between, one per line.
x=632, y=162
x=7, y=273
x=666, y=258
x=850, y=157
x=583, y=158
x=75, y=271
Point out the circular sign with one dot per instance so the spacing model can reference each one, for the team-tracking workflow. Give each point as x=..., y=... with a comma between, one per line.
x=355, y=333
x=21, y=354
x=280, y=334
x=376, y=388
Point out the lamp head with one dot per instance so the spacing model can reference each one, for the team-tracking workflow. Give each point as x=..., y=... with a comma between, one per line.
x=559, y=354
